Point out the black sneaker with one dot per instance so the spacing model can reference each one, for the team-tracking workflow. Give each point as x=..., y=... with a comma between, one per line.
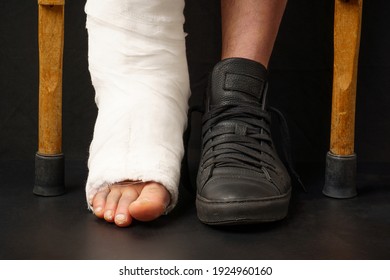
x=241, y=179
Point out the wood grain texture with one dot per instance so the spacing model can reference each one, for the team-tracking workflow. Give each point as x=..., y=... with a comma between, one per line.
x=51, y=2
x=51, y=41
x=347, y=23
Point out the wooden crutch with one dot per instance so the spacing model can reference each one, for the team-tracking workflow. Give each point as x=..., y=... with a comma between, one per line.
x=49, y=160
x=340, y=173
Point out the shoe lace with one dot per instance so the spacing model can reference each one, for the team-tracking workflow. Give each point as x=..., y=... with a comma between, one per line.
x=245, y=142
x=286, y=146
x=246, y=149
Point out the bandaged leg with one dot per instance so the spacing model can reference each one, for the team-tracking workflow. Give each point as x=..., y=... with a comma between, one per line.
x=138, y=67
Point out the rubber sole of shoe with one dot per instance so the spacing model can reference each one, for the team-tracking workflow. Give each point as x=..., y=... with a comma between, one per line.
x=242, y=212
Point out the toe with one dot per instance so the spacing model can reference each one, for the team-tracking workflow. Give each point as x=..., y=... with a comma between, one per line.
x=151, y=203
x=99, y=202
x=122, y=215
x=111, y=204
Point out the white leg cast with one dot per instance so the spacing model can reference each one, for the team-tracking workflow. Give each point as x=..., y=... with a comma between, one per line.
x=138, y=67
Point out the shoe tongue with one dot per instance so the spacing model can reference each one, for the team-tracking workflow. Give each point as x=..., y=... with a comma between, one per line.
x=236, y=80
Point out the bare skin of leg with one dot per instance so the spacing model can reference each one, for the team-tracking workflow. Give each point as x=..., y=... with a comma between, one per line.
x=249, y=28
x=260, y=19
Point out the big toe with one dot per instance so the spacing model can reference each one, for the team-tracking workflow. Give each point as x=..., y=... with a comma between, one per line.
x=151, y=203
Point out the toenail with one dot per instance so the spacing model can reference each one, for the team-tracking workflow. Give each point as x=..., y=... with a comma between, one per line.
x=108, y=215
x=144, y=200
x=120, y=218
x=98, y=210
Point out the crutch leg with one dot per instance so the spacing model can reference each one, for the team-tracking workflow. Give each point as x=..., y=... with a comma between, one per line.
x=340, y=173
x=49, y=160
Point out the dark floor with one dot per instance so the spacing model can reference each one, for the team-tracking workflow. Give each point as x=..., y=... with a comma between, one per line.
x=34, y=227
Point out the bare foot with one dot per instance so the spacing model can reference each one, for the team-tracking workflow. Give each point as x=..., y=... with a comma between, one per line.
x=125, y=201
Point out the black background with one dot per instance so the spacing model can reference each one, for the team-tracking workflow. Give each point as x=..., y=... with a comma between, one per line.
x=300, y=77
x=317, y=227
